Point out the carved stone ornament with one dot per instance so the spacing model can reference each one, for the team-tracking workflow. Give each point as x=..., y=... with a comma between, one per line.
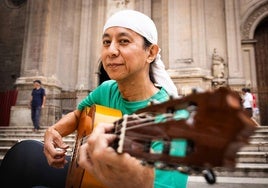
x=121, y=3
x=218, y=66
x=247, y=25
x=218, y=70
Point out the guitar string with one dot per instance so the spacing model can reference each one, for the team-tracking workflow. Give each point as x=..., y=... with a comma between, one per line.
x=165, y=117
x=139, y=121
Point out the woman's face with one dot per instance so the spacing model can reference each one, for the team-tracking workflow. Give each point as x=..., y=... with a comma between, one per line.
x=123, y=54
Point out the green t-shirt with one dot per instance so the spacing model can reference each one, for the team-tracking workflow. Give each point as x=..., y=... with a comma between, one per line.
x=107, y=94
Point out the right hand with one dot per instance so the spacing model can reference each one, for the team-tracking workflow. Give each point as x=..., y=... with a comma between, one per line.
x=114, y=170
x=55, y=148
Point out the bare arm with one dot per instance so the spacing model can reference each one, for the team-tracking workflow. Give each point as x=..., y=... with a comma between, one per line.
x=54, y=147
x=30, y=103
x=44, y=101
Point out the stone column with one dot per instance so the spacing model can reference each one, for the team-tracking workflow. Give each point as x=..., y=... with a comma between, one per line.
x=35, y=63
x=187, y=46
x=248, y=56
x=235, y=64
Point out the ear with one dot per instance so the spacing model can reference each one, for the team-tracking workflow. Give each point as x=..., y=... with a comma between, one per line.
x=152, y=53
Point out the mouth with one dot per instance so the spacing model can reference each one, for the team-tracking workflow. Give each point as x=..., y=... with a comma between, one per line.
x=113, y=65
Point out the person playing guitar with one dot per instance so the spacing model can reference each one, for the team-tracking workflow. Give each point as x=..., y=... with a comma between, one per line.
x=129, y=53
x=131, y=57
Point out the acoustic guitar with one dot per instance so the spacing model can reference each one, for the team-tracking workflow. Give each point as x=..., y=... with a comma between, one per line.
x=193, y=134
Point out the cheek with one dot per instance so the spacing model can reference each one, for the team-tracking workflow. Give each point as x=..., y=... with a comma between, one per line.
x=134, y=55
x=103, y=53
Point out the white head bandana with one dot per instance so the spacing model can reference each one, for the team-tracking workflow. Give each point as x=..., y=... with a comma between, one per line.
x=143, y=25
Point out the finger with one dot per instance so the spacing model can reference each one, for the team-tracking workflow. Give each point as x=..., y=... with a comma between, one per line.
x=101, y=129
x=60, y=145
x=53, y=144
x=57, y=163
x=53, y=136
x=101, y=148
x=52, y=152
x=83, y=159
x=58, y=142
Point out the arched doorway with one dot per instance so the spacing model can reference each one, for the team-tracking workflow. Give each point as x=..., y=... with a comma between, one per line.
x=261, y=60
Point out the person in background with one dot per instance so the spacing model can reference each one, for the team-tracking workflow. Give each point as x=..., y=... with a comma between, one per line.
x=247, y=100
x=37, y=102
x=131, y=57
x=255, y=107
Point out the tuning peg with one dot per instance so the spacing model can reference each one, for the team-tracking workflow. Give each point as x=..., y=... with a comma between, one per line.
x=209, y=175
x=184, y=169
x=159, y=165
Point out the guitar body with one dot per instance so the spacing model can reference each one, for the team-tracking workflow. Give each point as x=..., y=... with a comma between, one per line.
x=90, y=117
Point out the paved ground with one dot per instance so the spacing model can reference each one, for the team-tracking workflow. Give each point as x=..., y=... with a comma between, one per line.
x=228, y=182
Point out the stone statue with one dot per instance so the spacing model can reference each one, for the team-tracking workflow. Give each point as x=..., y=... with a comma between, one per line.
x=218, y=66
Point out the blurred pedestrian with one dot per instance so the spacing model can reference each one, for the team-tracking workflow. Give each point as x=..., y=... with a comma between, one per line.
x=37, y=103
x=247, y=100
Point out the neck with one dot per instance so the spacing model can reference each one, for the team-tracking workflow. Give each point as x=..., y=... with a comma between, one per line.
x=137, y=91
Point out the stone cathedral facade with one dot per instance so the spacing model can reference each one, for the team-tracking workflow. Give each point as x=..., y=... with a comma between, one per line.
x=204, y=44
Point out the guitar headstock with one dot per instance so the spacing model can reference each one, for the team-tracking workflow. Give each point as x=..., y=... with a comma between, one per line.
x=201, y=130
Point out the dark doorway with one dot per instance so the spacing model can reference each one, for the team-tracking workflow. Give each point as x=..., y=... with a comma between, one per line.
x=7, y=100
x=261, y=55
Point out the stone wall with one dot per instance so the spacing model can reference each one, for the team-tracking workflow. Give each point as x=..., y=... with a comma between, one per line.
x=12, y=20
x=59, y=42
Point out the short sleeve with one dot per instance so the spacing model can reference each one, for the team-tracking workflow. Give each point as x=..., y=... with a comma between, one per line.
x=170, y=179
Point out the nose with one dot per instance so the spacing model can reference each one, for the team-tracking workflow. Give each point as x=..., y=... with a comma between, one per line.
x=113, y=49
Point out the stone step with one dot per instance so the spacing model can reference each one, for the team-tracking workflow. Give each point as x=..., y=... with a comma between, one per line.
x=228, y=182
x=7, y=143
x=258, y=138
x=252, y=157
x=29, y=135
x=15, y=132
x=242, y=157
x=19, y=128
x=3, y=151
x=256, y=146
x=244, y=170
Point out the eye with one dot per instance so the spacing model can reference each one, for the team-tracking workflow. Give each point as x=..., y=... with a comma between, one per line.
x=106, y=42
x=123, y=41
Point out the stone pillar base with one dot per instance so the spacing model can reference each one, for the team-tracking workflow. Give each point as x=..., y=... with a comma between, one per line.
x=21, y=113
x=187, y=79
x=20, y=116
